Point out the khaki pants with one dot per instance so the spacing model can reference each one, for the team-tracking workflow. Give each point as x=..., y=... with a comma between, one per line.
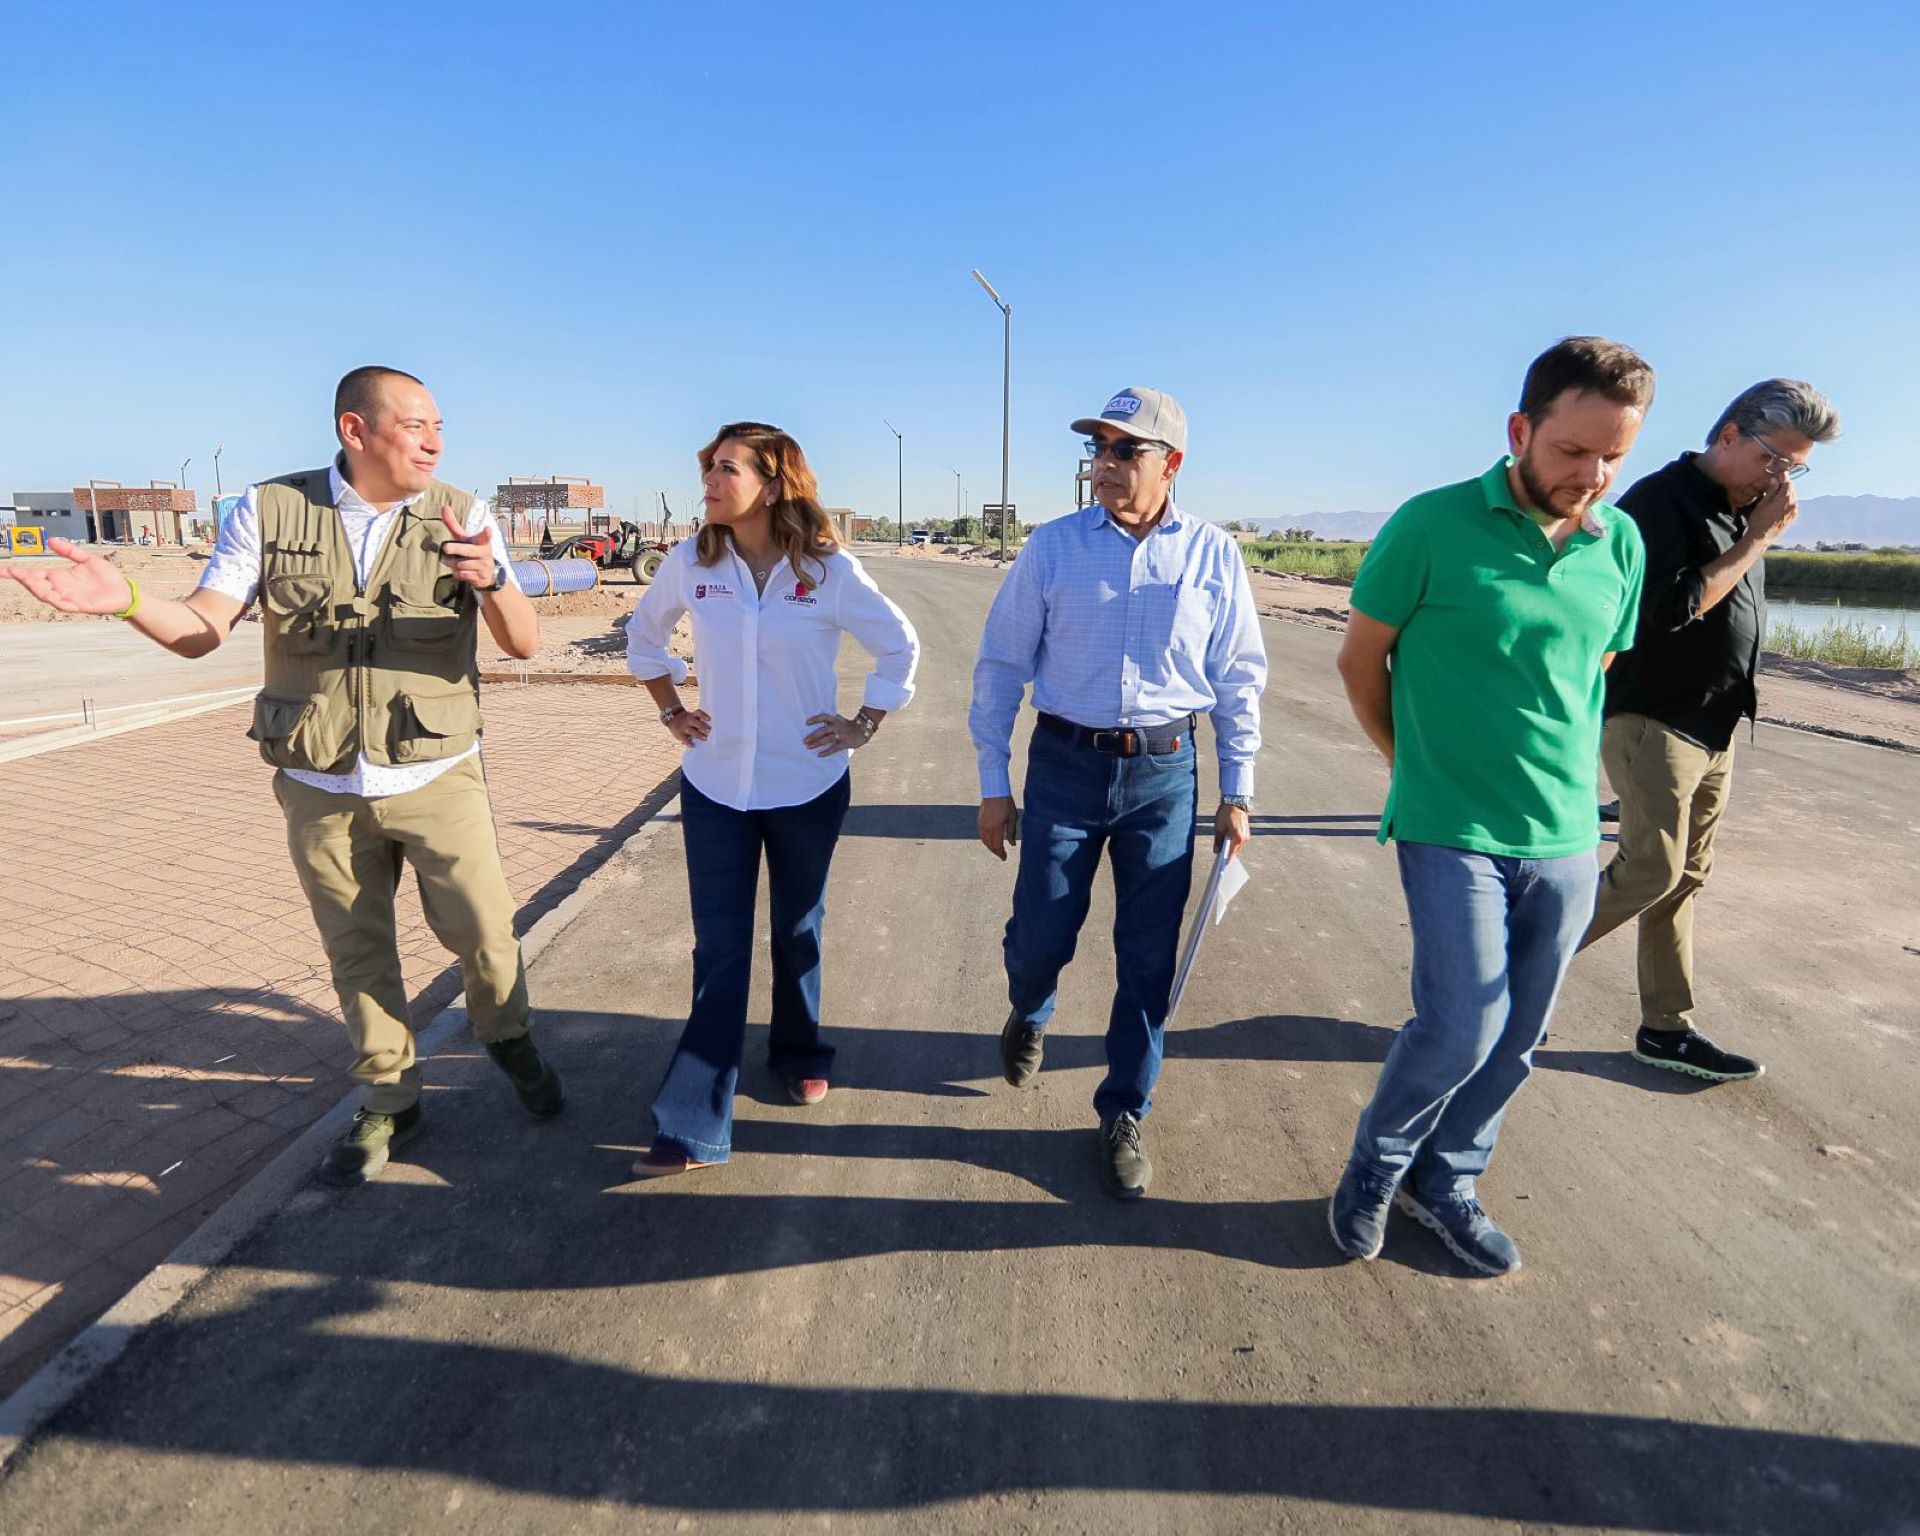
x=347, y=851
x=1672, y=793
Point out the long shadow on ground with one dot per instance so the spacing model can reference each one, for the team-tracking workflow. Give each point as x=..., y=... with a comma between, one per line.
x=540, y=1423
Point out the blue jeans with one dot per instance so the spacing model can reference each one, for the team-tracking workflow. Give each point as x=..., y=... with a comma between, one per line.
x=1140, y=809
x=1492, y=939
x=695, y=1103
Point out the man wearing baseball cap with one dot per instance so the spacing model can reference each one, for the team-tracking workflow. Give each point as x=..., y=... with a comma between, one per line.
x=1130, y=619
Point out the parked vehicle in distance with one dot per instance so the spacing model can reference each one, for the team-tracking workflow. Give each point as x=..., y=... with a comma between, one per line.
x=941, y=538
x=920, y=536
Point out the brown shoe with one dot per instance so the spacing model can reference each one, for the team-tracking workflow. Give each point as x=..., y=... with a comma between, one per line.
x=663, y=1158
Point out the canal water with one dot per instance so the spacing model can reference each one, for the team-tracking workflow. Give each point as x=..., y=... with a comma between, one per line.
x=1813, y=610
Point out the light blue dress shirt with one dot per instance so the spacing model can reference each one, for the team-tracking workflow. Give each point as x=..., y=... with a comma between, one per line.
x=1113, y=630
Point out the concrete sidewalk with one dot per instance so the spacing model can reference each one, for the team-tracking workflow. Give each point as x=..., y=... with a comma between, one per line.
x=911, y=1308
x=166, y=1019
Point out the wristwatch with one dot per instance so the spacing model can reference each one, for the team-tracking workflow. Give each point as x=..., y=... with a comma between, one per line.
x=499, y=576
x=1238, y=802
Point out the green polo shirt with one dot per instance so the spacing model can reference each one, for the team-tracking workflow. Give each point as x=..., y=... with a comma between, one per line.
x=1497, y=687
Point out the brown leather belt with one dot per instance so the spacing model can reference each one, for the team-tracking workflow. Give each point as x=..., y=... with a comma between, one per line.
x=1122, y=740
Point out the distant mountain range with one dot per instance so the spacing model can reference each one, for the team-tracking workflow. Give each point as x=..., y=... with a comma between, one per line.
x=1329, y=525
x=1870, y=520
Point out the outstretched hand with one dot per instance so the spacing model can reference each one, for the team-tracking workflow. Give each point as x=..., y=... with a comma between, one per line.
x=85, y=584
x=469, y=562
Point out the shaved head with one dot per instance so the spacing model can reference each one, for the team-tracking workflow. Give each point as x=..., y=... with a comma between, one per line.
x=364, y=391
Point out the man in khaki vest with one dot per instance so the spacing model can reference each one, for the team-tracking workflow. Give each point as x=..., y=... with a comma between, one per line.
x=371, y=576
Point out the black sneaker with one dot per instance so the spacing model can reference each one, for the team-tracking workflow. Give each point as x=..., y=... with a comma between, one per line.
x=1689, y=1051
x=1357, y=1214
x=1021, y=1047
x=363, y=1151
x=1125, y=1170
x=535, y=1083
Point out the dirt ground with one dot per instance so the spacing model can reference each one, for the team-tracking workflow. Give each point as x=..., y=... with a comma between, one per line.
x=162, y=572
x=581, y=634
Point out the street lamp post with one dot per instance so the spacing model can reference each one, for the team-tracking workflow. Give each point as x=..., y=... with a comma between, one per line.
x=956, y=495
x=1006, y=399
x=183, y=472
x=216, y=470
x=899, y=486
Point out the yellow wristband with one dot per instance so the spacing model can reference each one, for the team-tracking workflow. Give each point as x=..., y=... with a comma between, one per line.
x=128, y=611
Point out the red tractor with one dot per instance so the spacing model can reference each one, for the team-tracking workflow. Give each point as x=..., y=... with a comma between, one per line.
x=628, y=545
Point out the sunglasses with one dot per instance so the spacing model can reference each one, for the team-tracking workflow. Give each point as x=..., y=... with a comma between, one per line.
x=1123, y=450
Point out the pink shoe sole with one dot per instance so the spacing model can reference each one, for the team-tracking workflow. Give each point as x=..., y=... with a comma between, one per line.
x=807, y=1090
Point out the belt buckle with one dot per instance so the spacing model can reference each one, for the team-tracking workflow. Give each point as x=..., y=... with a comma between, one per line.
x=1121, y=743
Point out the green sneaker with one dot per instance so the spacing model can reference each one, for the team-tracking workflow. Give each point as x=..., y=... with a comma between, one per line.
x=534, y=1081
x=363, y=1151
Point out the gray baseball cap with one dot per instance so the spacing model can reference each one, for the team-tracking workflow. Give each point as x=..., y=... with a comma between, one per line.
x=1143, y=413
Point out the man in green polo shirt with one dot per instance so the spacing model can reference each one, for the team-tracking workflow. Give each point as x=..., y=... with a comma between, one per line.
x=1484, y=617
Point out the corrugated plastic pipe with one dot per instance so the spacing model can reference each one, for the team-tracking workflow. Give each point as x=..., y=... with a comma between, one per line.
x=547, y=578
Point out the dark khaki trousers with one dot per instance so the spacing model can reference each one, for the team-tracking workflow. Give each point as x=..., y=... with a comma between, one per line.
x=348, y=851
x=1672, y=792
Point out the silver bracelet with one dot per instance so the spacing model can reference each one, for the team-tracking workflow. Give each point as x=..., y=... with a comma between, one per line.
x=865, y=724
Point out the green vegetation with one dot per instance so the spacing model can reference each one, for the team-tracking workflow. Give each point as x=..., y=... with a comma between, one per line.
x=1849, y=644
x=1341, y=561
x=1890, y=571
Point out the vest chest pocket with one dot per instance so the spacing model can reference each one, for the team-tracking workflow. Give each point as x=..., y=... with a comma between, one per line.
x=421, y=626
x=298, y=605
x=430, y=726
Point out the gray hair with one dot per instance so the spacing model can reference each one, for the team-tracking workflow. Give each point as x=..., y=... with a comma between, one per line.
x=1783, y=405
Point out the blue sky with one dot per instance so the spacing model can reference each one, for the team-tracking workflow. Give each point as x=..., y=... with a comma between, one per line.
x=1336, y=233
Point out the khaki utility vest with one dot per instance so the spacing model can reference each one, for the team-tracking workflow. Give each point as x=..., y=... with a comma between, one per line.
x=388, y=671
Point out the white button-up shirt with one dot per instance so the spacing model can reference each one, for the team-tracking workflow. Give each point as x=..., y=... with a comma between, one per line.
x=234, y=571
x=766, y=665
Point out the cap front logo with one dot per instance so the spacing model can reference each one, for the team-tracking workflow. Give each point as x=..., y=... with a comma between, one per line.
x=1122, y=405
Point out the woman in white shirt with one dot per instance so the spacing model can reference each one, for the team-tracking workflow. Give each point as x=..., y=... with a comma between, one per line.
x=769, y=592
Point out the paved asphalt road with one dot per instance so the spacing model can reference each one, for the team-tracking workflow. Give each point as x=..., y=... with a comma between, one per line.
x=46, y=669
x=912, y=1308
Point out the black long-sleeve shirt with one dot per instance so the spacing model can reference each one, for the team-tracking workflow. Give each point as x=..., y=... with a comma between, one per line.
x=1693, y=672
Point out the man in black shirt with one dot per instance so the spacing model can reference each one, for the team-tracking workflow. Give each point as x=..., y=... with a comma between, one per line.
x=1675, y=699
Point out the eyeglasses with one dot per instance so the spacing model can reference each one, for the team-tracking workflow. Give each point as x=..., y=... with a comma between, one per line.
x=1785, y=465
x=1123, y=450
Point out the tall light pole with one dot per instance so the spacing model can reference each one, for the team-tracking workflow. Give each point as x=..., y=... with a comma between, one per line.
x=183, y=472
x=216, y=470
x=899, y=486
x=956, y=495
x=1006, y=399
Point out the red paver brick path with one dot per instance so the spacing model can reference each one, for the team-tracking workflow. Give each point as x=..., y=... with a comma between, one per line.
x=166, y=1020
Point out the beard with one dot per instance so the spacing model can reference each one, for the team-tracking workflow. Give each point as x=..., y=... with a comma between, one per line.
x=1545, y=499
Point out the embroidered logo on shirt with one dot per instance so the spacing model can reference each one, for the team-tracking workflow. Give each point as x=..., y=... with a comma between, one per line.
x=802, y=593
x=712, y=589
